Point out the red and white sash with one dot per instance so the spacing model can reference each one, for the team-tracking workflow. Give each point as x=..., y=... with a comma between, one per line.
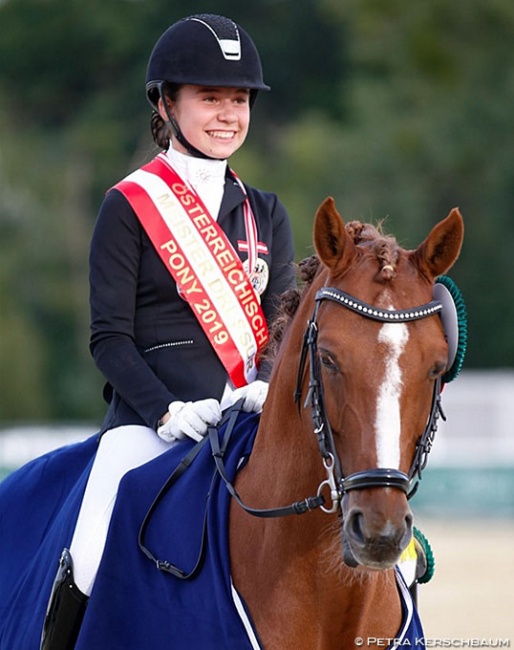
x=208, y=272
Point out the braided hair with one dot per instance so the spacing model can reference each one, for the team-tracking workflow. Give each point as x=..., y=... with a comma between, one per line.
x=160, y=129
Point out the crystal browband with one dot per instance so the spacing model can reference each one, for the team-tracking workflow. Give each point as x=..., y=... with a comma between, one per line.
x=375, y=313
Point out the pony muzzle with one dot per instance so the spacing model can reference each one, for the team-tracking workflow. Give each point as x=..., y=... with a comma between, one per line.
x=375, y=530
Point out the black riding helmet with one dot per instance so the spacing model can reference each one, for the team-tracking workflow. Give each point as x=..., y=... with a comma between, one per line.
x=203, y=50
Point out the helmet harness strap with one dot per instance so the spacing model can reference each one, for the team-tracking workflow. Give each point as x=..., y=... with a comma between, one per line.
x=172, y=122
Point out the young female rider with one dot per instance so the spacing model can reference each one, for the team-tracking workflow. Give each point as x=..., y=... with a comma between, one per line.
x=186, y=266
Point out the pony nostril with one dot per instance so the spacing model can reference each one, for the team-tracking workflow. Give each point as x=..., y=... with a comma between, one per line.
x=408, y=531
x=355, y=527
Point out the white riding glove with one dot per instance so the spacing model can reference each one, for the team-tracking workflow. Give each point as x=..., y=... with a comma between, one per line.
x=190, y=419
x=254, y=395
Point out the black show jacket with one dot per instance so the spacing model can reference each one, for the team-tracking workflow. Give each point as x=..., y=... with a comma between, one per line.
x=145, y=339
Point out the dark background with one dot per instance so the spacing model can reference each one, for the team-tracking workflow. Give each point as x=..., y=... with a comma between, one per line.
x=400, y=110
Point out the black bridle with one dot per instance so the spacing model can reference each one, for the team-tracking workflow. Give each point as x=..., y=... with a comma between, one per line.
x=337, y=484
x=376, y=477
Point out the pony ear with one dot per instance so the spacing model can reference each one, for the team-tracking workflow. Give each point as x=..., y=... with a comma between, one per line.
x=441, y=248
x=330, y=237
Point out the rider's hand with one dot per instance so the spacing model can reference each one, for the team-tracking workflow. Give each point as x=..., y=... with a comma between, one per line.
x=190, y=419
x=253, y=394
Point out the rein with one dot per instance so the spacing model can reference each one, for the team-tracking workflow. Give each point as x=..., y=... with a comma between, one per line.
x=218, y=452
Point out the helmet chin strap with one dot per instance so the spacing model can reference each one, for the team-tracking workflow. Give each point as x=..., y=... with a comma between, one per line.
x=180, y=136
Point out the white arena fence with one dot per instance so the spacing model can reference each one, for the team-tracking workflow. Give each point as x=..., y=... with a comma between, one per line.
x=471, y=466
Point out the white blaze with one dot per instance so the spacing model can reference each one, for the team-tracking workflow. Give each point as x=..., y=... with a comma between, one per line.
x=387, y=423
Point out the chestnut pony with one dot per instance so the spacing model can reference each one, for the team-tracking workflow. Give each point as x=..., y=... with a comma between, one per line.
x=355, y=378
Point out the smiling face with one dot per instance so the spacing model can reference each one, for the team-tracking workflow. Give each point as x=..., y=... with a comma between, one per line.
x=214, y=120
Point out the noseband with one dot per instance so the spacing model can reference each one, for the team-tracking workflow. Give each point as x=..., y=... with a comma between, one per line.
x=376, y=477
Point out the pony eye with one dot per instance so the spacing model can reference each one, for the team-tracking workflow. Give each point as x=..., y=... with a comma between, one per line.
x=437, y=370
x=327, y=361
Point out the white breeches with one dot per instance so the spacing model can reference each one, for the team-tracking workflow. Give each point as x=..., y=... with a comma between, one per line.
x=120, y=450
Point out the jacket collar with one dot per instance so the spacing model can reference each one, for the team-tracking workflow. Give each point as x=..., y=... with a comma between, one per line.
x=232, y=197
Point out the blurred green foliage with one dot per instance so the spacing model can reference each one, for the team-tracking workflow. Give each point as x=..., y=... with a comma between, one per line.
x=399, y=110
